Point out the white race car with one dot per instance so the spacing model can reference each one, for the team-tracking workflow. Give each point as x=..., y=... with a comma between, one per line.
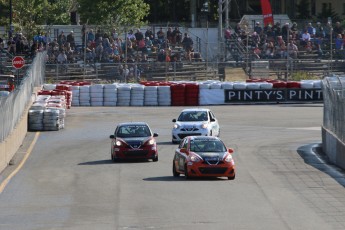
x=195, y=122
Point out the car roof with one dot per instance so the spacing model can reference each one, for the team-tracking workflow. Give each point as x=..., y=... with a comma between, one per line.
x=195, y=109
x=132, y=123
x=203, y=138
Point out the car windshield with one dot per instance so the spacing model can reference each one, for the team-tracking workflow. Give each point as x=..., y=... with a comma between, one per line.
x=133, y=131
x=207, y=146
x=193, y=116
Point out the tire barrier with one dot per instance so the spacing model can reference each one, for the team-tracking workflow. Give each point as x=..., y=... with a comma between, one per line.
x=182, y=93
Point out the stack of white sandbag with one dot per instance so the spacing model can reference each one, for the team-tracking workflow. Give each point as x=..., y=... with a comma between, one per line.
x=137, y=95
x=84, y=95
x=96, y=95
x=110, y=95
x=151, y=96
x=164, y=95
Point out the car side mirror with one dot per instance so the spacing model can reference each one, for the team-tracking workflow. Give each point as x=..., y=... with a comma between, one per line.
x=212, y=120
x=230, y=150
x=183, y=150
x=174, y=120
x=155, y=134
x=112, y=136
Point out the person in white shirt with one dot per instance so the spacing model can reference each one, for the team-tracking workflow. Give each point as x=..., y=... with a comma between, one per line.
x=305, y=38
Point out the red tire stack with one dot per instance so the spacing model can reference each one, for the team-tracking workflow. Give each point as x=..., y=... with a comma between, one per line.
x=178, y=94
x=192, y=94
x=65, y=90
x=293, y=85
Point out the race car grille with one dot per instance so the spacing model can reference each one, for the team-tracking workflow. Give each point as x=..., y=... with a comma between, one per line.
x=134, y=144
x=189, y=129
x=138, y=153
x=212, y=170
x=183, y=135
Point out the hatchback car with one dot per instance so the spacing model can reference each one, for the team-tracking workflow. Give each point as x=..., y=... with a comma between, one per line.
x=195, y=122
x=200, y=156
x=133, y=140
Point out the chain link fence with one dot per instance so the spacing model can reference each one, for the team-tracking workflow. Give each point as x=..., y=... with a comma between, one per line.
x=333, y=130
x=12, y=107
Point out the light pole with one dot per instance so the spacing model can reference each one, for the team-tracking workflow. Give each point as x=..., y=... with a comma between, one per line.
x=11, y=26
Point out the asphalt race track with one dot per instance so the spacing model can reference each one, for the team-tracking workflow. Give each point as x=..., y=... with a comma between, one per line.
x=69, y=181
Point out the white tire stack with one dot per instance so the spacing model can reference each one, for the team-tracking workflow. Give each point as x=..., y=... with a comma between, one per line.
x=151, y=96
x=240, y=85
x=52, y=120
x=137, y=95
x=227, y=85
x=123, y=95
x=75, y=95
x=110, y=95
x=84, y=95
x=35, y=118
x=96, y=95
x=164, y=95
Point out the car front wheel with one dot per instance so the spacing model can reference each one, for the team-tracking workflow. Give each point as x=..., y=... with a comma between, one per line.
x=232, y=177
x=186, y=172
x=155, y=159
x=175, y=173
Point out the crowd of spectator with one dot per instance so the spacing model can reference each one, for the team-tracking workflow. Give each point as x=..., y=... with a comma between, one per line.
x=286, y=41
x=132, y=46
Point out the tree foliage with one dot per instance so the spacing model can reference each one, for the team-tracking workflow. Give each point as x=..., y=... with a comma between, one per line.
x=303, y=11
x=119, y=12
x=328, y=12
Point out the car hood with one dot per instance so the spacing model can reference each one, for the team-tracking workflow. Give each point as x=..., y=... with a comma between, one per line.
x=190, y=124
x=135, y=142
x=211, y=155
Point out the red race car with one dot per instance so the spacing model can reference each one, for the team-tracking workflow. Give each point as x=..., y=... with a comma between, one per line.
x=133, y=140
x=203, y=156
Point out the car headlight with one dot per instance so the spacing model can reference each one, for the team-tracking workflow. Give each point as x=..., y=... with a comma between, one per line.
x=118, y=143
x=228, y=158
x=176, y=126
x=204, y=126
x=194, y=158
x=151, y=142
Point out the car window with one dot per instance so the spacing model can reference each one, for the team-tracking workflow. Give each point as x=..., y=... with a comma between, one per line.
x=193, y=116
x=207, y=146
x=133, y=131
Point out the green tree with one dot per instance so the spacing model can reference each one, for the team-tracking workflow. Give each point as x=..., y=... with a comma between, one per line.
x=303, y=11
x=119, y=12
x=328, y=12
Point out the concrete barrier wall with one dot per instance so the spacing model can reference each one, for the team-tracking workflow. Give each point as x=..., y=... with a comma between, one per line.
x=12, y=143
x=333, y=147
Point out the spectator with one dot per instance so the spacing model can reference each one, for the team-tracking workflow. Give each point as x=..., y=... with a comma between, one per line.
x=91, y=37
x=258, y=29
x=305, y=38
x=319, y=31
x=292, y=49
x=170, y=35
x=138, y=36
x=257, y=52
x=61, y=38
x=99, y=52
x=11, y=46
x=227, y=34
x=311, y=30
x=277, y=31
x=187, y=43
x=338, y=29
x=71, y=40
x=62, y=57
x=114, y=34
x=149, y=34
x=309, y=47
x=98, y=35
x=255, y=39
x=238, y=29
x=327, y=30
x=160, y=36
x=286, y=31
x=177, y=36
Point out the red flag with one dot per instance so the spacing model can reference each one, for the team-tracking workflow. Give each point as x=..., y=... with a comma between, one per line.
x=267, y=12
